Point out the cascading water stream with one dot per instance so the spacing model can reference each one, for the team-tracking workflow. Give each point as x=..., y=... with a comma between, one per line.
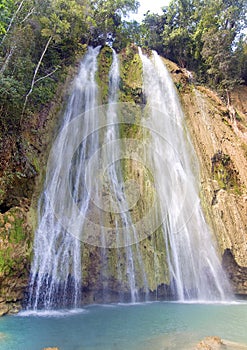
x=56, y=275
x=195, y=269
x=117, y=189
x=56, y=268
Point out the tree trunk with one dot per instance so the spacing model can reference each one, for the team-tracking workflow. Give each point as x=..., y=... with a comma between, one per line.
x=35, y=74
x=12, y=20
x=228, y=96
x=7, y=59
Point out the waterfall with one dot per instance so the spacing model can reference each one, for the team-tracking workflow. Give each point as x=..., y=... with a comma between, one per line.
x=86, y=200
x=56, y=276
x=195, y=269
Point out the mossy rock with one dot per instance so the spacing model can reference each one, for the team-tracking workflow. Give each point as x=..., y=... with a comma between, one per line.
x=131, y=82
x=104, y=65
x=224, y=173
x=15, y=241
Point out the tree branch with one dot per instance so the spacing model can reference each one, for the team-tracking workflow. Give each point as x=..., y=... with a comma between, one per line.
x=46, y=76
x=28, y=15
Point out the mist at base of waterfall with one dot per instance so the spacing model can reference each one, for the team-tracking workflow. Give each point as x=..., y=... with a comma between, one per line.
x=156, y=325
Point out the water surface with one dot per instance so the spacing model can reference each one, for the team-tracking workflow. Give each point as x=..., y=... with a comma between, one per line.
x=156, y=326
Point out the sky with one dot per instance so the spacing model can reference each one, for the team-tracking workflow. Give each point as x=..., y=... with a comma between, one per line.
x=153, y=5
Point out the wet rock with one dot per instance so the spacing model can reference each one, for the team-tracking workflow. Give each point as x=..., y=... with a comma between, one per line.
x=9, y=307
x=15, y=256
x=236, y=273
x=4, y=309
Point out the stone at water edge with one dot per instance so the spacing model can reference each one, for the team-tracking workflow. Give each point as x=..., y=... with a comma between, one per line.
x=50, y=348
x=4, y=309
x=210, y=343
x=216, y=343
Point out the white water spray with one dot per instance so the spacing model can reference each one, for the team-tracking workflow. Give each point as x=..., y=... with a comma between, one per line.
x=56, y=276
x=195, y=269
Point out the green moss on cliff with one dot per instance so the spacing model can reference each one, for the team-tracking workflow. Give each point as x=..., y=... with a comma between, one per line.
x=244, y=147
x=131, y=76
x=15, y=240
x=223, y=171
x=15, y=258
x=104, y=66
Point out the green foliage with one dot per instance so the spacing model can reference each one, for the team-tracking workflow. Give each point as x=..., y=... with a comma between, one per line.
x=6, y=10
x=10, y=90
x=43, y=92
x=63, y=19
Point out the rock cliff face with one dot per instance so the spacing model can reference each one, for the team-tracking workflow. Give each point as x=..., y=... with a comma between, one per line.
x=219, y=135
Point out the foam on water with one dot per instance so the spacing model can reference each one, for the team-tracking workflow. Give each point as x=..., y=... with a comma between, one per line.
x=51, y=313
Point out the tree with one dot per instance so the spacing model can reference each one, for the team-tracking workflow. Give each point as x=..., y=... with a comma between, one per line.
x=178, y=32
x=218, y=56
x=151, y=31
x=219, y=41
x=127, y=33
x=201, y=35
x=241, y=58
x=106, y=19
